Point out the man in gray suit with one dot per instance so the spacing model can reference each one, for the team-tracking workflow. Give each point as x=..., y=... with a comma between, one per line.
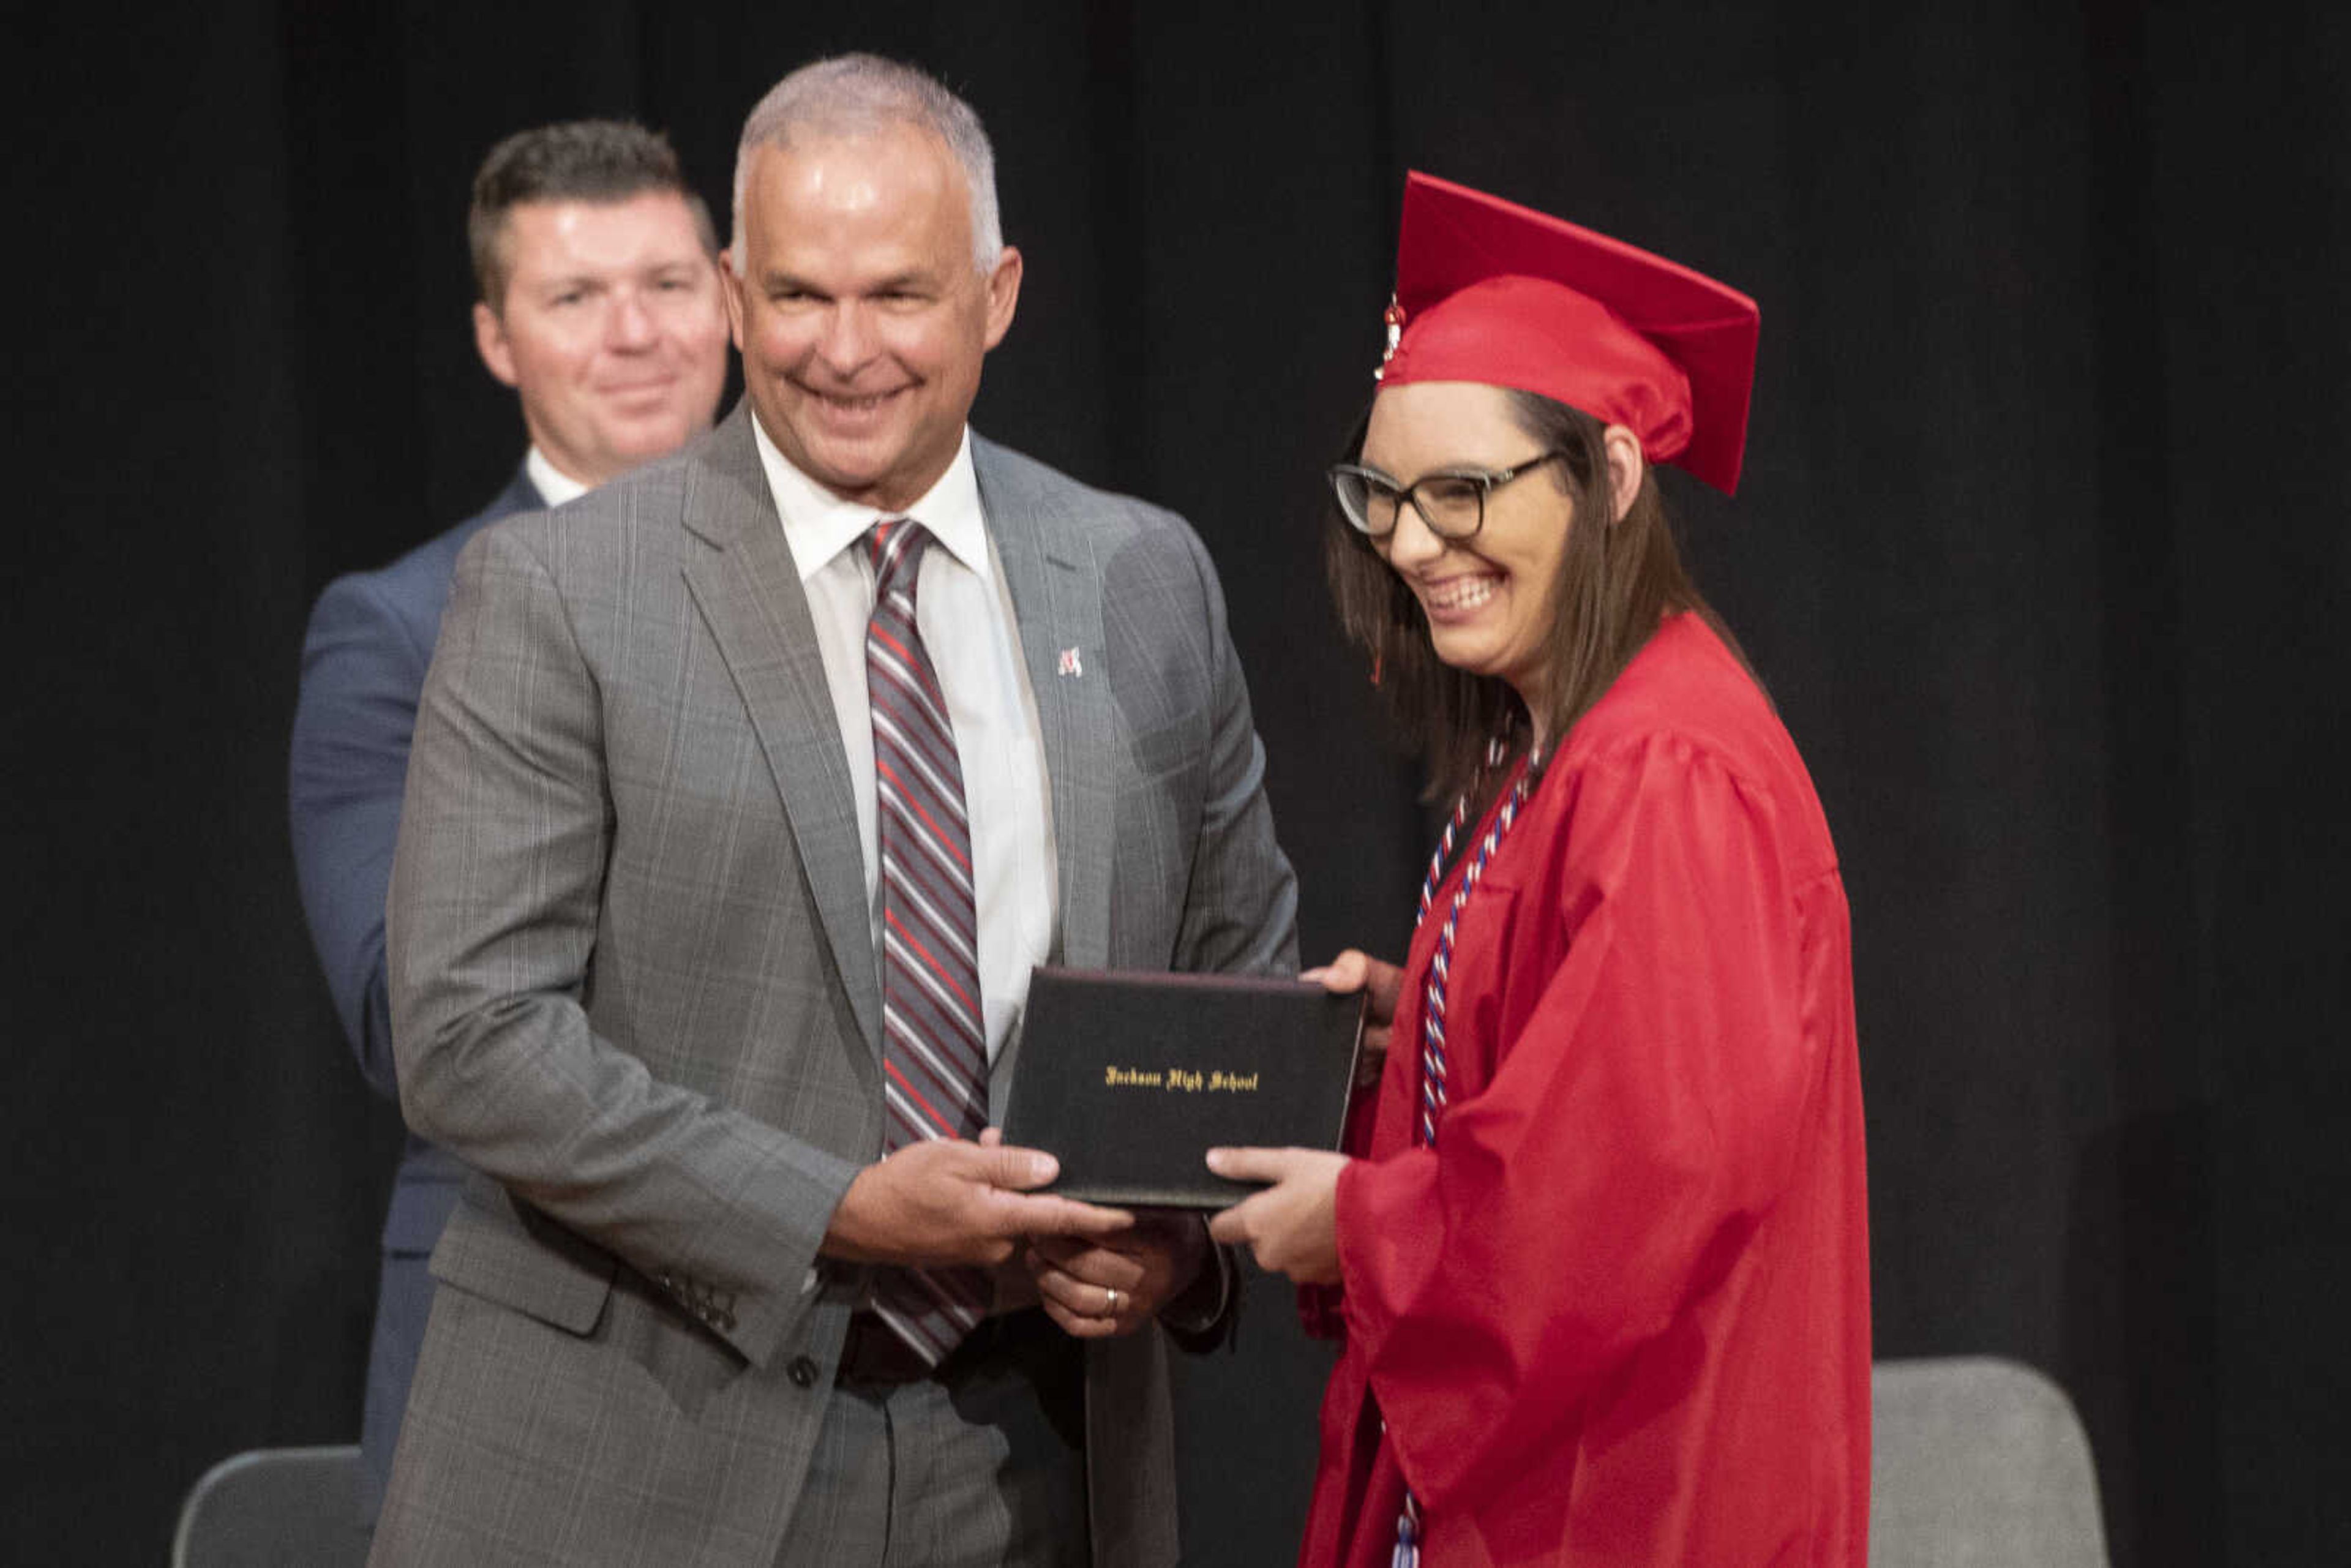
x=600, y=305
x=641, y=979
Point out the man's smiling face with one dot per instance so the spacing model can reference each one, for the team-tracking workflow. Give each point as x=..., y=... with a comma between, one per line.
x=610, y=327
x=861, y=312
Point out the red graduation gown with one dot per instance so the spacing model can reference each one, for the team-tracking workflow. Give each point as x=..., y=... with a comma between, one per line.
x=1621, y=1314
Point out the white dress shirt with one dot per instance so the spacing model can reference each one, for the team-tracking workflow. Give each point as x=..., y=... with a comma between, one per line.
x=555, y=486
x=964, y=610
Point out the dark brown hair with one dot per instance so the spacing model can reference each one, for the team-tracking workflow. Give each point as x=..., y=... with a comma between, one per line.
x=599, y=160
x=1616, y=583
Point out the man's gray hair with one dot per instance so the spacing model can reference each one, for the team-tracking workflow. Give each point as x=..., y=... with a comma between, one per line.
x=862, y=94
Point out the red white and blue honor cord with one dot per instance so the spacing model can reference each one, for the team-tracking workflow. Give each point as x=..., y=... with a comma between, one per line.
x=1432, y=1024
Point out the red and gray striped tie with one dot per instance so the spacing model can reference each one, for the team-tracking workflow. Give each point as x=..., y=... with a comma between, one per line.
x=934, y=1047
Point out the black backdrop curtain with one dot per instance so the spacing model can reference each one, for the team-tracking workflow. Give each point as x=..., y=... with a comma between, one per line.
x=2039, y=551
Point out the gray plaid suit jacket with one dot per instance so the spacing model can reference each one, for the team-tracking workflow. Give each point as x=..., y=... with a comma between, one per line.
x=633, y=988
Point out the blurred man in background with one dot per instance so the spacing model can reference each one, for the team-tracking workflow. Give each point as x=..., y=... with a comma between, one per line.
x=600, y=305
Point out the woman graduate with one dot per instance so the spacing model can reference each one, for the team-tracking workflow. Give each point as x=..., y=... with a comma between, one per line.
x=1600, y=1259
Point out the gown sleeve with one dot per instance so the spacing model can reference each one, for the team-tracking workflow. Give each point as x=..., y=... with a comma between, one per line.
x=1321, y=1309
x=1651, y=1069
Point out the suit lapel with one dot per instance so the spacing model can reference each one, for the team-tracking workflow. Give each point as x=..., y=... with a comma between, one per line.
x=1049, y=563
x=748, y=589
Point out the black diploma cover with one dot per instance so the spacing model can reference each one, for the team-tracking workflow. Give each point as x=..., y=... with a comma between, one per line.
x=1129, y=1078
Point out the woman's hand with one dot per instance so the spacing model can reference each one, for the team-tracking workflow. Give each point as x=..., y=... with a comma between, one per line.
x=1291, y=1227
x=1353, y=971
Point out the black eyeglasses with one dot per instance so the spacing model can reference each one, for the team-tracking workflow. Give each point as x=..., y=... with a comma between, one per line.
x=1451, y=501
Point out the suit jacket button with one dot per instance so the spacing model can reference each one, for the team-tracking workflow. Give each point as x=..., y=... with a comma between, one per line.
x=802, y=1372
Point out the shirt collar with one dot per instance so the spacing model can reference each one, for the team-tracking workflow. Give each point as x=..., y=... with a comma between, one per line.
x=819, y=525
x=554, y=485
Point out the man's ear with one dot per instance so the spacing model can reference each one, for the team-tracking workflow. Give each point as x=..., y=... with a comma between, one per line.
x=490, y=338
x=731, y=284
x=1003, y=295
x=1626, y=469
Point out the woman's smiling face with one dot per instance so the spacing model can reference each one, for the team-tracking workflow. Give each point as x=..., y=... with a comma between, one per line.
x=1488, y=598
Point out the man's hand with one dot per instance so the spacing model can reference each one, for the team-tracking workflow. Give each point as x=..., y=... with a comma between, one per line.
x=1291, y=1227
x=1097, y=1288
x=952, y=1201
x=1353, y=971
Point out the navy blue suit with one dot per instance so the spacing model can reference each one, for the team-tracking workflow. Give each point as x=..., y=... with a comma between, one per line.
x=364, y=663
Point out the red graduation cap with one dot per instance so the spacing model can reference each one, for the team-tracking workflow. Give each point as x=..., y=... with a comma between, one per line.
x=1489, y=291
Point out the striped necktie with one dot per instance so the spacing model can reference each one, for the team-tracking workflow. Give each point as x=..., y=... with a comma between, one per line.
x=934, y=1047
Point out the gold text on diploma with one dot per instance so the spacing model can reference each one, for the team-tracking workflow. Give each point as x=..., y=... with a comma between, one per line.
x=1186, y=1079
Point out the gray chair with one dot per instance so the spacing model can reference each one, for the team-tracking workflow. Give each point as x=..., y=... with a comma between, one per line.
x=1977, y=1462
x=273, y=1507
